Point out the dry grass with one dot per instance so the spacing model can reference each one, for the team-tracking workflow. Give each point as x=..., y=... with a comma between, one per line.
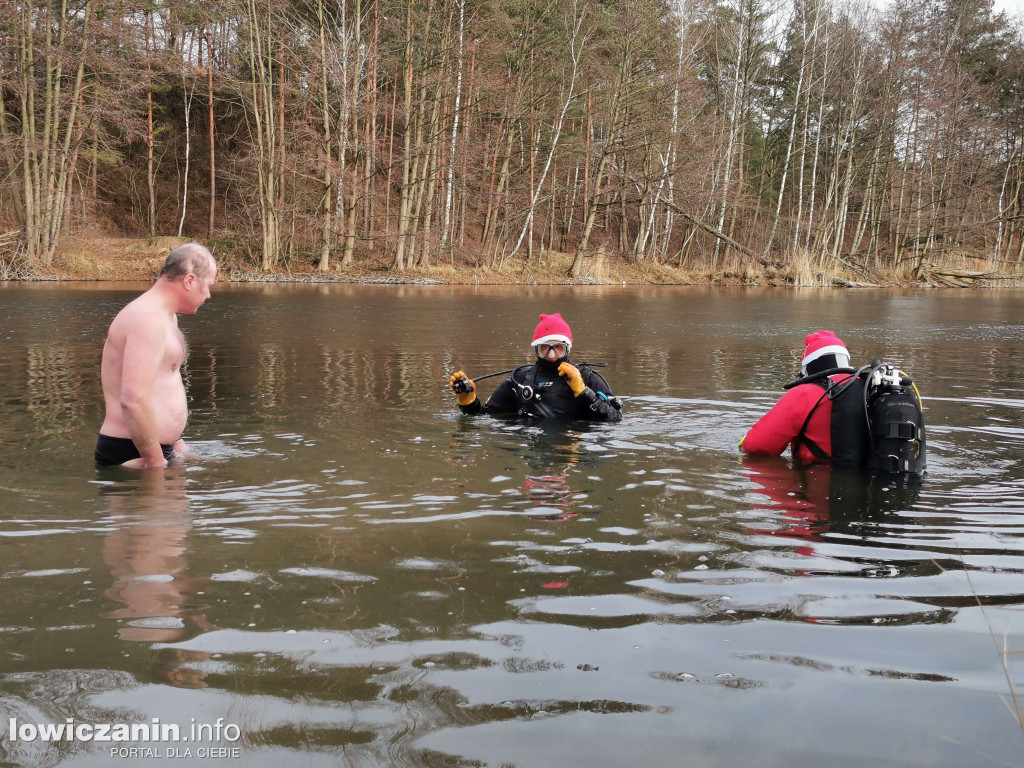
x=804, y=268
x=89, y=256
x=1012, y=702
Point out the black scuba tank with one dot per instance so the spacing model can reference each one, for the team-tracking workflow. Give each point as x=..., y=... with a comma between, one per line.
x=877, y=421
x=898, y=444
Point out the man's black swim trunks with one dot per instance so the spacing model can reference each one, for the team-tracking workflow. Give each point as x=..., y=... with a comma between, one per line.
x=113, y=451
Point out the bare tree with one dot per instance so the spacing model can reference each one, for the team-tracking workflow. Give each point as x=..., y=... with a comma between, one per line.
x=262, y=30
x=577, y=38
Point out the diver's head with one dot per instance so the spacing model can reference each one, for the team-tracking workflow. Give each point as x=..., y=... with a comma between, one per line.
x=552, y=338
x=823, y=350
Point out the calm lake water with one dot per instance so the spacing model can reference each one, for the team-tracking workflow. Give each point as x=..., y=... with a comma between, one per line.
x=349, y=572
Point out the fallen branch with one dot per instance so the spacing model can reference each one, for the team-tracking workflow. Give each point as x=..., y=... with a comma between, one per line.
x=974, y=275
x=713, y=232
x=840, y=282
x=874, y=278
x=12, y=257
x=939, y=280
x=853, y=265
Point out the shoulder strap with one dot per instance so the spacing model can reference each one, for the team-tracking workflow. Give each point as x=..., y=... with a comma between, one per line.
x=531, y=375
x=801, y=437
x=589, y=373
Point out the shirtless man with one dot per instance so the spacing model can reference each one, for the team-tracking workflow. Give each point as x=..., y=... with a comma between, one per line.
x=146, y=408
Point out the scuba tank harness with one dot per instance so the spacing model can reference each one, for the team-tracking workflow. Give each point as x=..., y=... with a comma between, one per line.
x=892, y=413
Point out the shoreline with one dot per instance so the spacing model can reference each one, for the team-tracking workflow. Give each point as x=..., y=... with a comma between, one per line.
x=487, y=281
x=103, y=259
x=488, y=278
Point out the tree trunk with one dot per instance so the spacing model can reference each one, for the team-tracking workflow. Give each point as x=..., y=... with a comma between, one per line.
x=456, y=113
x=326, y=205
x=404, y=203
x=213, y=154
x=263, y=130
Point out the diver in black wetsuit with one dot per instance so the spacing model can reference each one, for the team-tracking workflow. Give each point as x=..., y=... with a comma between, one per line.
x=553, y=387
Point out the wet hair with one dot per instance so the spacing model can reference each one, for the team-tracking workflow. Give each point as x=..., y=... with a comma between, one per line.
x=188, y=257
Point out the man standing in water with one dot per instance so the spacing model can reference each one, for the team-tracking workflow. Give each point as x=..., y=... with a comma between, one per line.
x=869, y=418
x=146, y=408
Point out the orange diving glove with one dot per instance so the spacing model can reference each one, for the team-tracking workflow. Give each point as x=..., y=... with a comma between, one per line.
x=572, y=378
x=463, y=387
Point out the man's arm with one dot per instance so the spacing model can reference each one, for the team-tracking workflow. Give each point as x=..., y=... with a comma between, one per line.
x=502, y=400
x=144, y=352
x=600, y=400
x=777, y=428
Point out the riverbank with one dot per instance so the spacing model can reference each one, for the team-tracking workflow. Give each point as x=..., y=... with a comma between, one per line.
x=101, y=258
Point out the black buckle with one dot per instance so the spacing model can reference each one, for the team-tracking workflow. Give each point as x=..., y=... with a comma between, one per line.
x=903, y=430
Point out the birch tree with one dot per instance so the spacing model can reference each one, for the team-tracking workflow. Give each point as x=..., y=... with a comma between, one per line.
x=49, y=46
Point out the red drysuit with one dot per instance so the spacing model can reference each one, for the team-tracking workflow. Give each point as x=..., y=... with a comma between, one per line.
x=781, y=425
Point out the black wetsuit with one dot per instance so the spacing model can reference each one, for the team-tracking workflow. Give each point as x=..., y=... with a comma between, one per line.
x=537, y=390
x=114, y=451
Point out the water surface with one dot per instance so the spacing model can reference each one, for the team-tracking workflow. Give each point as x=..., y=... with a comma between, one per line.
x=355, y=574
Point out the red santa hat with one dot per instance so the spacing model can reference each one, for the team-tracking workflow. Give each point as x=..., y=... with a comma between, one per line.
x=822, y=343
x=552, y=329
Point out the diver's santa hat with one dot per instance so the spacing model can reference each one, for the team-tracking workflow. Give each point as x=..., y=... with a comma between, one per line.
x=552, y=329
x=823, y=350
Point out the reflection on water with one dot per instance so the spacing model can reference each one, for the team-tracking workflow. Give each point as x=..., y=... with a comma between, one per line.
x=814, y=501
x=355, y=574
x=146, y=552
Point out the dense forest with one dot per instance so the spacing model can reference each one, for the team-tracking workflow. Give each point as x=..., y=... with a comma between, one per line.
x=714, y=135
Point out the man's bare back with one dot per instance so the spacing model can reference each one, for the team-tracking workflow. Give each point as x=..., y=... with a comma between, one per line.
x=146, y=405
